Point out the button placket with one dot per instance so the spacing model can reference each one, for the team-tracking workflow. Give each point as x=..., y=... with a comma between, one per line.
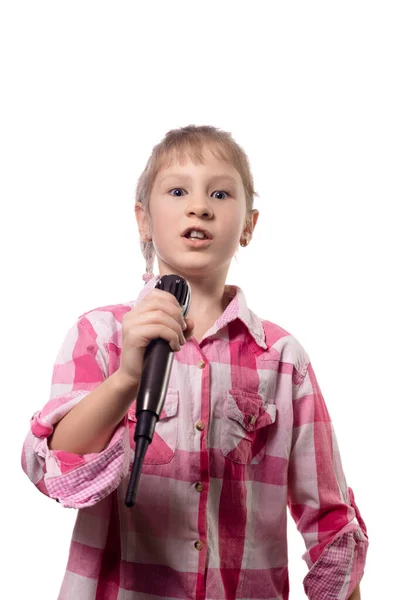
x=200, y=426
x=199, y=486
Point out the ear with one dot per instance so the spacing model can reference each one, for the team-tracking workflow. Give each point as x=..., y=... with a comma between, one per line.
x=251, y=222
x=142, y=221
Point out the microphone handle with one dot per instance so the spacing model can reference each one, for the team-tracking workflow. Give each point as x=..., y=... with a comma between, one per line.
x=157, y=364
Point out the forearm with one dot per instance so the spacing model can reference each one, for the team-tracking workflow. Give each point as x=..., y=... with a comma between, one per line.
x=89, y=426
x=356, y=594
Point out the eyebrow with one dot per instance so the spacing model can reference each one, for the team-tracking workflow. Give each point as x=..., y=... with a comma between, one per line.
x=187, y=178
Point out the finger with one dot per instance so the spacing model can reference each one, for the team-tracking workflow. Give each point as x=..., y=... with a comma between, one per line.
x=190, y=327
x=166, y=333
x=161, y=316
x=167, y=296
x=161, y=300
x=166, y=302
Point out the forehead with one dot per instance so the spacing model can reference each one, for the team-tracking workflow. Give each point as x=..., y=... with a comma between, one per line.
x=191, y=162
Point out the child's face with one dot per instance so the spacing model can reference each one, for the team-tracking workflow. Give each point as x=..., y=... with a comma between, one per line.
x=209, y=195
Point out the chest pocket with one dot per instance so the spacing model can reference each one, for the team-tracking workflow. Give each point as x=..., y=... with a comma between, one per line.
x=246, y=425
x=163, y=446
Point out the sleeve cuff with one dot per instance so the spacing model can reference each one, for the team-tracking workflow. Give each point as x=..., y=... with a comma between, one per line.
x=340, y=567
x=79, y=480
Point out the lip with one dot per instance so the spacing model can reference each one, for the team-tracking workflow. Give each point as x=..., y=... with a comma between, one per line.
x=196, y=243
x=205, y=231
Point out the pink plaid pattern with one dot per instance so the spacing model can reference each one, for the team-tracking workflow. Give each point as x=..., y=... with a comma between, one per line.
x=244, y=434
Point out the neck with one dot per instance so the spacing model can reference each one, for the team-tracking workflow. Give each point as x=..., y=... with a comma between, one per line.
x=207, y=296
x=209, y=303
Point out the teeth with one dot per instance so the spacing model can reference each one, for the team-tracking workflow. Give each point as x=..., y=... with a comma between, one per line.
x=197, y=234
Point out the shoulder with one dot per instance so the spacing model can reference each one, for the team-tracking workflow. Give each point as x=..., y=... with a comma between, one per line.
x=106, y=320
x=285, y=347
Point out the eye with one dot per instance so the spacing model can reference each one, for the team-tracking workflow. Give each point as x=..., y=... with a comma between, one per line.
x=176, y=190
x=220, y=192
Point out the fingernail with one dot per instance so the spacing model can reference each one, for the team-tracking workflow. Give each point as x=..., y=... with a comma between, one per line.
x=184, y=326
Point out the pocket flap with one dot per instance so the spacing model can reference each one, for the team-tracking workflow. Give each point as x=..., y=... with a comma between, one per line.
x=169, y=409
x=248, y=409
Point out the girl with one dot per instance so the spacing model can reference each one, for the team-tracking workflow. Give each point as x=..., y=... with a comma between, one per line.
x=244, y=432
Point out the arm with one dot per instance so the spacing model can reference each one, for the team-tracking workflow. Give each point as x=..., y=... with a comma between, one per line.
x=319, y=500
x=90, y=425
x=77, y=450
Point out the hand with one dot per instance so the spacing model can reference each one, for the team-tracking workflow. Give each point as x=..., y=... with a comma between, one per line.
x=355, y=595
x=158, y=315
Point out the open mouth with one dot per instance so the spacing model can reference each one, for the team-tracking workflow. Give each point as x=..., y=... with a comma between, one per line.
x=188, y=236
x=193, y=241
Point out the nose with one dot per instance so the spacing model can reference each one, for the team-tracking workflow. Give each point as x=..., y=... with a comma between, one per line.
x=199, y=206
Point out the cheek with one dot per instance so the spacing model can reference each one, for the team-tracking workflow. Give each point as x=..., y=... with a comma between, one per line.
x=166, y=232
x=232, y=226
x=165, y=219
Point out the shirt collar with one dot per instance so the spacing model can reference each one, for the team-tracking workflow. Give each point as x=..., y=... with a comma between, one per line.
x=236, y=309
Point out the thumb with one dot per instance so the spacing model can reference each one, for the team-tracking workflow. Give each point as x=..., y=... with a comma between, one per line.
x=190, y=328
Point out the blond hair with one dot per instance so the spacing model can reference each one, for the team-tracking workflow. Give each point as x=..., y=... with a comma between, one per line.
x=189, y=142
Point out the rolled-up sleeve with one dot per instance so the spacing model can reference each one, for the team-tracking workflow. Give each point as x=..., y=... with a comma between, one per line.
x=319, y=500
x=75, y=480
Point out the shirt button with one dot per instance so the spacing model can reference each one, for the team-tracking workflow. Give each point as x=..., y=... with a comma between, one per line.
x=199, y=487
x=199, y=545
x=200, y=425
x=252, y=419
x=201, y=364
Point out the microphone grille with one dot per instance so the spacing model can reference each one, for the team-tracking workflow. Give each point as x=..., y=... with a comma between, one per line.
x=178, y=287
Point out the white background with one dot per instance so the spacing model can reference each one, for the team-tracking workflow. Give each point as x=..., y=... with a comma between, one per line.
x=311, y=91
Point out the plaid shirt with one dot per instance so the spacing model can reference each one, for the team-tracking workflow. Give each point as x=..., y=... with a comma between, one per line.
x=244, y=434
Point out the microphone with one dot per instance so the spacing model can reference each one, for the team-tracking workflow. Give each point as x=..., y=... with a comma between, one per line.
x=157, y=363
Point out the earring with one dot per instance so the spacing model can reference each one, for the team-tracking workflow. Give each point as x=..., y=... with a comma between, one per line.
x=246, y=241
